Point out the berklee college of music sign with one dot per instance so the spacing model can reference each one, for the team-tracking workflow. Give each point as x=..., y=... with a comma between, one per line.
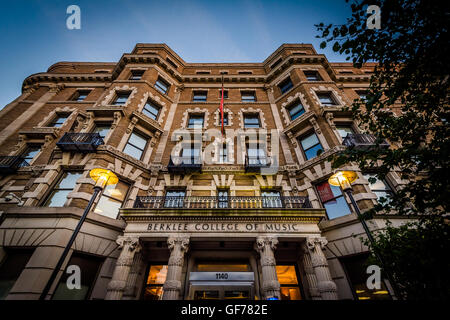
x=225, y=227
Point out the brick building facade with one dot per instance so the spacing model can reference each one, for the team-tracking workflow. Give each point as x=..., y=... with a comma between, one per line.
x=258, y=221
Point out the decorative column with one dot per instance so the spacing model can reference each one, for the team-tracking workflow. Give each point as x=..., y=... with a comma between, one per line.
x=178, y=246
x=116, y=287
x=310, y=276
x=130, y=290
x=270, y=285
x=325, y=284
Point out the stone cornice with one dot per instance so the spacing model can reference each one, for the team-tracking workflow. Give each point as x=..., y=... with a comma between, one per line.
x=244, y=215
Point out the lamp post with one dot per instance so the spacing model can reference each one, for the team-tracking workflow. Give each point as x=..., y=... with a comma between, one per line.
x=102, y=178
x=344, y=179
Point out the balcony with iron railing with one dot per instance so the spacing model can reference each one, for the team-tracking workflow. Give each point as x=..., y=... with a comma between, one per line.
x=230, y=202
x=10, y=164
x=183, y=165
x=80, y=142
x=363, y=141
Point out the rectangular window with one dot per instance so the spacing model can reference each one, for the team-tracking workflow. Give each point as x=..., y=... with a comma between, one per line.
x=271, y=199
x=90, y=267
x=151, y=110
x=311, y=146
x=251, y=121
x=112, y=199
x=203, y=72
x=190, y=155
x=155, y=280
x=80, y=95
x=362, y=94
x=289, y=284
x=30, y=153
x=162, y=85
x=225, y=119
x=223, y=154
x=344, y=130
x=195, y=121
x=121, y=98
x=248, y=96
x=102, y=129
x=326, y=99
x=136, y=74
x=256, y=156
x=286, y=85
x=11, y=267
x=225, y=94
x=59, y=120
x=333, y=200
x=174, y=198
x=200, y=96
x=135, y=146
x=65, y=185
x=222, y=197
x=245, y=72
x=355, y=268
x=296, y=110
x=379, y=187
x=312, y=76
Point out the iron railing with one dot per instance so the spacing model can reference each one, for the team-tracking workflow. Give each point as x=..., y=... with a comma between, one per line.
x=80, y=142
x=231, y=202
x=10, y=164
x=185, y=165
x=362, y=140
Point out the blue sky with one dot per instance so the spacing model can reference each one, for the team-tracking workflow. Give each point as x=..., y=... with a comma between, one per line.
x=34, y=35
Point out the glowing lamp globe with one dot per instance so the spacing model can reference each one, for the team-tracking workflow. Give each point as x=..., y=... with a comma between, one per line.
x=343, y=179
x=103, y=177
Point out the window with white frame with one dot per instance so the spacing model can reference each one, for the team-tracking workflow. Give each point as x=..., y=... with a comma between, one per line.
x=162, y=86
x=151, y=110
x=311, y=146
x=380, y=187
x=112, y=199
x=196, y=121
x=135, y=146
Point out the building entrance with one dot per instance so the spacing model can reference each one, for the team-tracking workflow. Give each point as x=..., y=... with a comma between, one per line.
x=218, y=281
x=221, y=285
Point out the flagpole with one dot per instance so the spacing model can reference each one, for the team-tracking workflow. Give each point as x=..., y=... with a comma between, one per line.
x=221, y=108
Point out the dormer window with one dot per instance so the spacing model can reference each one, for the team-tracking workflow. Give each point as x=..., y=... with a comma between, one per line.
x=162, y=86
x=200, y=96
x=121, y=98
x=248, y=96
x=136, y=74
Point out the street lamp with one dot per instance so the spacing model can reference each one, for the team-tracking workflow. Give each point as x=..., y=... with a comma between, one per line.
x=102, y=178
x=344, y=179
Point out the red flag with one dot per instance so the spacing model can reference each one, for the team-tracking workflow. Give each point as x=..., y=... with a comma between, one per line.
x=221, y=107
